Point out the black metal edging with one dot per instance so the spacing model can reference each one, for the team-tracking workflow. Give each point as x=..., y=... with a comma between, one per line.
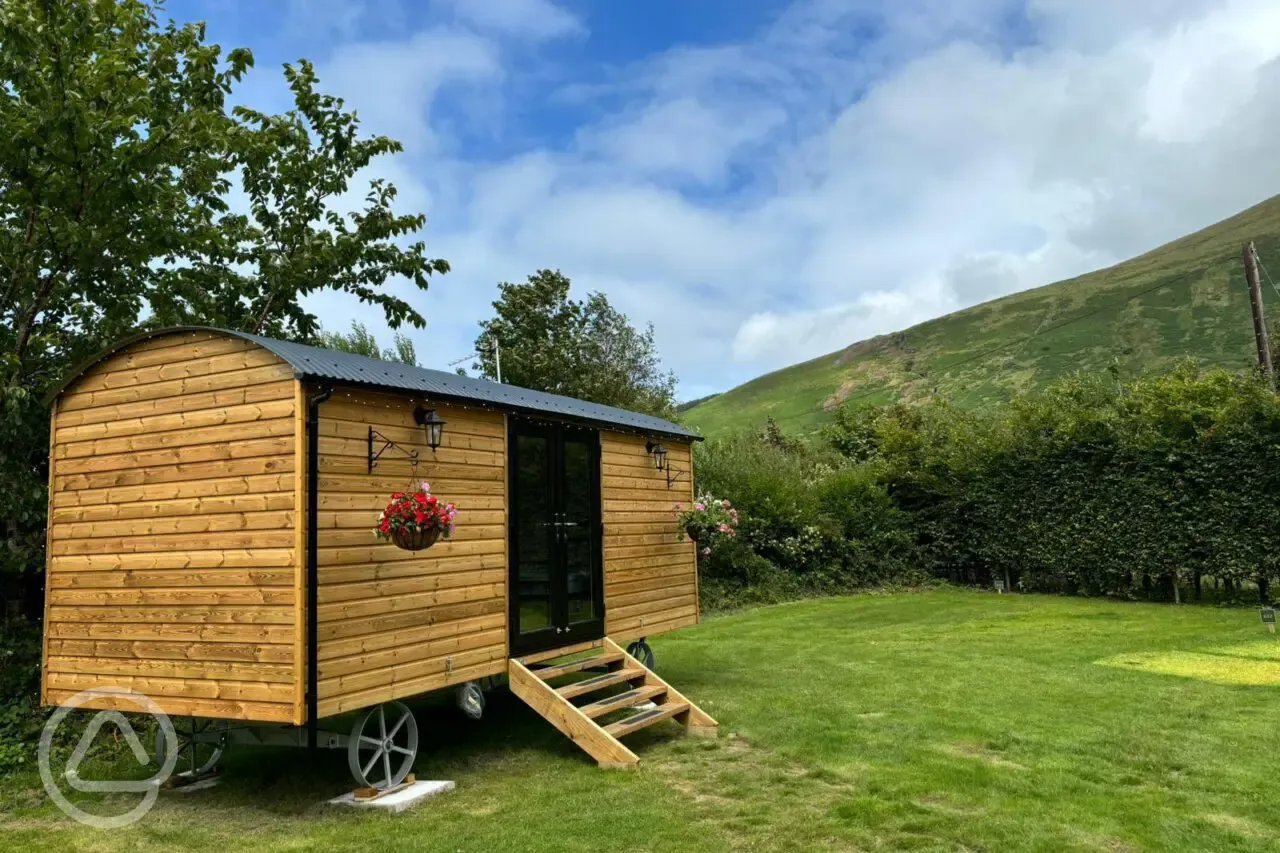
x=313, y=561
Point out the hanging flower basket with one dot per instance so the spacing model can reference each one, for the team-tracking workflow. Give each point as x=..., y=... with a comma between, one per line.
x=706, y=521
x=416, y=520
x=414, y=540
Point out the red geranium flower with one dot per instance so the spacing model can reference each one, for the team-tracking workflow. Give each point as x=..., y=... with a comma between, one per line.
x=418, y=510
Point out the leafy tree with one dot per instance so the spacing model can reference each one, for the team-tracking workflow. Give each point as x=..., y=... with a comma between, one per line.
x=585, y=349
x=113, y=158
x=772, y=435
x=117, y=159
x=295, y=169
x=361, y=341
x=112, y=161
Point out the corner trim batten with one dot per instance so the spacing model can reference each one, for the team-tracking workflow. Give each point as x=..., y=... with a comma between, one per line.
x=313, y=561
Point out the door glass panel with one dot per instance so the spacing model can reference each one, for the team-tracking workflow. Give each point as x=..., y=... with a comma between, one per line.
x=579, y=534
x=534, y=552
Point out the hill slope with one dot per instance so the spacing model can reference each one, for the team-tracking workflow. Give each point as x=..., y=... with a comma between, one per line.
x=1186, y=298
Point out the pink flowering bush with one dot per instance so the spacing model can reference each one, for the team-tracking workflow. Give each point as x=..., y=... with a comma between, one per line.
x=706, y=520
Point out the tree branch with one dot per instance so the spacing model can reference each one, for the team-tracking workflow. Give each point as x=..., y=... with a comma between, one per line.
x=13, y=278
x=29, y=322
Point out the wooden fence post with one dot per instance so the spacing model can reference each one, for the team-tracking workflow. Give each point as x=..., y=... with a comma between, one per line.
x=1259, y=318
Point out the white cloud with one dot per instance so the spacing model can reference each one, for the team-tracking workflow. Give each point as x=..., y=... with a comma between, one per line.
x=309, y=18
x=393, y=84
x=857, y=167
x=533, y=18
x=680, y=138
x=783, y=337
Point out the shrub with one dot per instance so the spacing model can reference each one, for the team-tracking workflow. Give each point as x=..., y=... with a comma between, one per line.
x=1088, y=486
x=20, y=714
x=808, y=523
x=875, y=537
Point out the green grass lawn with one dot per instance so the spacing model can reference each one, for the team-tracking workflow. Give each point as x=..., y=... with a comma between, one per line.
x=946, y=720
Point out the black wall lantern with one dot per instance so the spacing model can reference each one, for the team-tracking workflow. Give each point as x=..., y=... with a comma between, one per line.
x=433, y=423
x=659, y=454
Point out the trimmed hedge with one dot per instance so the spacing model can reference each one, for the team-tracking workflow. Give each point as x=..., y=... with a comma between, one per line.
x=1090, y=486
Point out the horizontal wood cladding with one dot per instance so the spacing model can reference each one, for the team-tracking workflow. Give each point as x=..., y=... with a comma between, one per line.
x=208, y=403
x=221, y=708
x=173, y=633
x=173, y=564
x=170, y=650
x=215, y=487
x=165, y=616
x=203, y=559
x=396, y=623
x=650, y=576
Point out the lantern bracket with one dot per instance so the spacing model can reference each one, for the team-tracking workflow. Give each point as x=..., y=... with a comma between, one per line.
x=387, y=444
x=672, y=479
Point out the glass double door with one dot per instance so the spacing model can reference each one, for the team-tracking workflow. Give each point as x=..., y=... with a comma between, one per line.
x=556, y=582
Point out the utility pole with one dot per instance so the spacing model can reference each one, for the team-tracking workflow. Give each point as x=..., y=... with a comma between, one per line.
x=1259, y=320
x=497, y=357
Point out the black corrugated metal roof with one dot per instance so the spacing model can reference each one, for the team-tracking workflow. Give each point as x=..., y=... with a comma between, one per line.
x=335, y=366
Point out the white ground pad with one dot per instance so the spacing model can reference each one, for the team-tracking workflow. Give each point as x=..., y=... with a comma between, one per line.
x=400, y=800
x=202, y=785
x=179, y=784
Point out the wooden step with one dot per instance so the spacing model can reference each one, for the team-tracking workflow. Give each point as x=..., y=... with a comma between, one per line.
x=581, y=724
x=646, y=718
x=564, y=651
x=571, y=722
x=550, y=672
x=622, y=700
x=590, y=685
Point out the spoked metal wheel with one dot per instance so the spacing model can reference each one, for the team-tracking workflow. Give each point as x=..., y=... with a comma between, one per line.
x=383, y=745
x=640, y=651
x=199, y=745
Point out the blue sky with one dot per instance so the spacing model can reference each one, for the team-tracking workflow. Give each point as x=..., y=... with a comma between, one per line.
x=770, y=180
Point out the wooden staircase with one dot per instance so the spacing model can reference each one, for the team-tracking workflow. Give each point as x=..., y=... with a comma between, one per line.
x=608, y=666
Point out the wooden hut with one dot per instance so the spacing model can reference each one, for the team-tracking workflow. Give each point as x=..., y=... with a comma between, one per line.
x=212, y=499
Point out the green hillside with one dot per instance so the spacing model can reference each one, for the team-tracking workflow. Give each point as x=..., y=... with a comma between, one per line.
x=1186, y=298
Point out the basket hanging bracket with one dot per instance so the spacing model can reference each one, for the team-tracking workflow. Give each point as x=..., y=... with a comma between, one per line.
x=380, y=444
